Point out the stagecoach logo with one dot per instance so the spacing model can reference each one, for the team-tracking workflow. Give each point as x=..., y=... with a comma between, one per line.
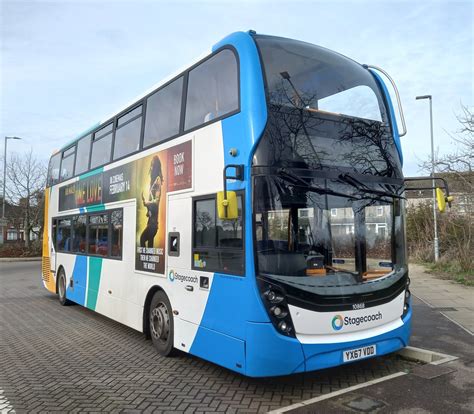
x=338, y=321
x=172, y=276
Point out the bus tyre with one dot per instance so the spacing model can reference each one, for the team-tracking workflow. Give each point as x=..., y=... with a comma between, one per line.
x=161, y=324
x=62, y=288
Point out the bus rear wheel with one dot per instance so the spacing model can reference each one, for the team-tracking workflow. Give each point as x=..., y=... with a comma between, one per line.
x=62, y=288
x=161, y=324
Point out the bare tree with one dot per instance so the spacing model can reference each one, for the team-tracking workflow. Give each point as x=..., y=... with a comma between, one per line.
x=460, y=162
x=26, y=178
x=456, y=230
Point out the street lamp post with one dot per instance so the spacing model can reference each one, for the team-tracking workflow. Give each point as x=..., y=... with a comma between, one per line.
x=4, y=185
x=436, y=241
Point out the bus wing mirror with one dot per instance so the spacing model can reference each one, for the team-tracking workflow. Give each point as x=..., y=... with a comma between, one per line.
x=227, y=207
x=442, y=199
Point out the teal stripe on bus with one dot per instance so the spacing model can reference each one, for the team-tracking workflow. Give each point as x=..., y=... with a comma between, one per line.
x=90, y=173
x=95, y=269
x=97, y=207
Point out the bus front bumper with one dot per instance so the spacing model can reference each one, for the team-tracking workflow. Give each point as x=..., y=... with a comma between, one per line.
x=269, y=353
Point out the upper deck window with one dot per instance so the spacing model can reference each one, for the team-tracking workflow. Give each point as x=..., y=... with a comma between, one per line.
x=306, y=76
x=101, y=146
x=127, y=134
x=325, y=112
x=67, y=163
x=53, y=169
x=213, y=89
x=163, y=112
x=83, y=152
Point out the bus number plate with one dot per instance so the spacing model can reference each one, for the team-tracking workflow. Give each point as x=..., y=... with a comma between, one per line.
x=359, y=353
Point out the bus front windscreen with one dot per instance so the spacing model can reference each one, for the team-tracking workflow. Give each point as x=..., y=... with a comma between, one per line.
x=328, y=186
x=325, y=232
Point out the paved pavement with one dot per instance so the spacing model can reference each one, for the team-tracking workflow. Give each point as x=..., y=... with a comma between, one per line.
x=452, y=299
x=55, y=358
x=69, y=359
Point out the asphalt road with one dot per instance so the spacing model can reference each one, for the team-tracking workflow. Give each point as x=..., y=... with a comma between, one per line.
x=69, y=359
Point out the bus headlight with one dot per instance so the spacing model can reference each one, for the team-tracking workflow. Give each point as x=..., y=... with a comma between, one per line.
x=274, y=300
x=406, y=303
x=273, y=296
x=284, y=327
x=279, y=312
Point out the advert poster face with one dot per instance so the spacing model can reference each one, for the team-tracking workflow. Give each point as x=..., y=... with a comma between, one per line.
x=147, y=180
x=82, y=193
x=151, y=213
x=159, y=173
x=118, y=184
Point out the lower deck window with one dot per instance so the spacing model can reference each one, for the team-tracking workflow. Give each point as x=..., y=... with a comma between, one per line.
x=116, y=221
x=94, y=234
x=64, y=235
x=218, y=244
x=79, y=231
x=99, y=235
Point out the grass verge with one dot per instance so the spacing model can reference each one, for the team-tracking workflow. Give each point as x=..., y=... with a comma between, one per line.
x=451, y=271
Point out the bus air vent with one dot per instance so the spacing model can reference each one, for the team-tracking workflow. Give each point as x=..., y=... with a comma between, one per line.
x=46, y=268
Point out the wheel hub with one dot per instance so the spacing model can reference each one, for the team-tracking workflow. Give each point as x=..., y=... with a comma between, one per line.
x=160, y=322
x=62, y=286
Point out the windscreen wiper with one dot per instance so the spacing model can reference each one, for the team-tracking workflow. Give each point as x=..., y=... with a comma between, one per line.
x=354, y=182
x=291, y=178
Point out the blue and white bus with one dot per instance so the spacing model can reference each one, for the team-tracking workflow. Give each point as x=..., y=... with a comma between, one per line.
x=248, y=210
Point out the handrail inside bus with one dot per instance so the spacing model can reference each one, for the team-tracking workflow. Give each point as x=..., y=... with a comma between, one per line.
x=399, y=101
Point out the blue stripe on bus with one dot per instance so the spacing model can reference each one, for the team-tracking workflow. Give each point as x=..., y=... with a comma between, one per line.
x=249, y=123
x=221, y=349
x=223, y=322
x=268, y=353
x=243, y=130
x=79, y=275
x=393, y=119
x=233, y=300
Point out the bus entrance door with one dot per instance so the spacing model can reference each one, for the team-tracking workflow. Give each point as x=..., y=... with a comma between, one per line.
x=187, y=292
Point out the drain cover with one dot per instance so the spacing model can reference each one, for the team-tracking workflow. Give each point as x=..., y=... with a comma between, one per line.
x=364, y=404
x=446, y=309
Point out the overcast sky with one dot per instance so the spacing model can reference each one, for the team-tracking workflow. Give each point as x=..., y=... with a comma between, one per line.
x=65, y=65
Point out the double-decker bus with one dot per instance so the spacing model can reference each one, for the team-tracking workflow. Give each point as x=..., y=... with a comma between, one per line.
x=248, y=210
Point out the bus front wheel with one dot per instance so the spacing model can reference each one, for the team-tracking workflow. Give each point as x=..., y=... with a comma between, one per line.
x=161, y=324
x=62, y=288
